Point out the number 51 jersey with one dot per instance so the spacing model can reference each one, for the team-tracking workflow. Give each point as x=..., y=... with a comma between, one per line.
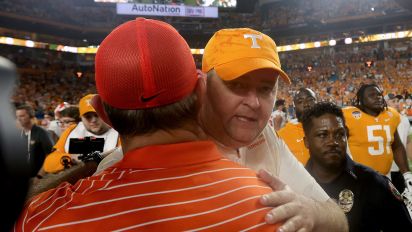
x=370, y=138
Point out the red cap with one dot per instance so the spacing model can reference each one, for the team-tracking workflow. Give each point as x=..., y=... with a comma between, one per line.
x=144, y=63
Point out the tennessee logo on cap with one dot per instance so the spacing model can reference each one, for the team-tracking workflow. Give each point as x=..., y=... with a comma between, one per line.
x=235, y=52
x=253, y=37
x=84, y=104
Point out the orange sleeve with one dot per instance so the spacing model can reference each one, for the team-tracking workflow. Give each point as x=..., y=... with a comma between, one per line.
x=52, y=163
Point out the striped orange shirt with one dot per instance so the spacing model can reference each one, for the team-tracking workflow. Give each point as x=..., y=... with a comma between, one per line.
x=175, y=187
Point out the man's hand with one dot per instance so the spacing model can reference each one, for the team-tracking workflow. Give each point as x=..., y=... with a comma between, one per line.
x=75, y=158
x=297, y=212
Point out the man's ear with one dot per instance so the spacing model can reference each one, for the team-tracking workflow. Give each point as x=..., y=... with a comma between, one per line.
x=200, y=92
x=201, y=87
x=202, y=77
x=347, y=131
x=97, y=104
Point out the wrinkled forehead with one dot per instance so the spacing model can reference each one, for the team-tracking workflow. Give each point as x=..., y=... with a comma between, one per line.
x=22, y=112
x=259, y=76
x=328, y=121
x=90, y=114
x=373, y=90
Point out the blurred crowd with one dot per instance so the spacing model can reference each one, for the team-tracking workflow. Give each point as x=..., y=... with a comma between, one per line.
x=325, y=11
x=335, y=73
x=49, y=78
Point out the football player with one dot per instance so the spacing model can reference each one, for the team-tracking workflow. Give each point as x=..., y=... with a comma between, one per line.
x=373, y=136
x=293, y=133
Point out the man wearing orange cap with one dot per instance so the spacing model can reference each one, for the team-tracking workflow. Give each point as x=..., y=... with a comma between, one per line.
x=91, y=125
x=241, y=64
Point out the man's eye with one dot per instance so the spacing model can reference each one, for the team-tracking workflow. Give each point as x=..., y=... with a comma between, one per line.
x=234, y=85
x=322, y=135
x=340, y=135
x=266, y=90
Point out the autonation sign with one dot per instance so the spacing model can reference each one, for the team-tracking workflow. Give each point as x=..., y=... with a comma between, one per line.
x=166, y=10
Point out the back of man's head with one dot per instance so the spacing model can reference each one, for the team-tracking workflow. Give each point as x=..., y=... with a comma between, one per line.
x=145, y=78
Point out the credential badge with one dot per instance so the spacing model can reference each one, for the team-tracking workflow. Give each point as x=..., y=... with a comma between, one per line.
x=346, y=199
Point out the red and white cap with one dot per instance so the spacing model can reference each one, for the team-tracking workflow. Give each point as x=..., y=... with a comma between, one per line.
x=142, y=64
x=62, y=106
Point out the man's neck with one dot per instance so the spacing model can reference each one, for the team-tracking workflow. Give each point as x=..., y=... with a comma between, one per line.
x=161, y=137
x=325, y=175
x=370, y=112
x=102, y=132
x=27, y=127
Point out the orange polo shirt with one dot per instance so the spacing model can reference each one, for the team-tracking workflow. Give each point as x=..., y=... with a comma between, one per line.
x=292, y=133
x=175, y=187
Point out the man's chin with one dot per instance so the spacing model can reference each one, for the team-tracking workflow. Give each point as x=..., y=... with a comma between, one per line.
x=243, y=141
x=96, y=131
x=233, y=143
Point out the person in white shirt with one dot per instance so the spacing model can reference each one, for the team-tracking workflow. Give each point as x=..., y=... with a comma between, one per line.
x=278, y=118
x=240, y=91
x=403, y=131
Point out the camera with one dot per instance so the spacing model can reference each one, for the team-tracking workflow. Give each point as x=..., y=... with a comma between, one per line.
x=85, y=145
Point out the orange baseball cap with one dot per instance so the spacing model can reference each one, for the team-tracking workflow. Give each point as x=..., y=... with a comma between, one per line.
x=235, y=52
x=85, y=106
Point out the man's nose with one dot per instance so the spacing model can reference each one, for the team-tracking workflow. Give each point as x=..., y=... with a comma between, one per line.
x=252, y=99
x=331, y=140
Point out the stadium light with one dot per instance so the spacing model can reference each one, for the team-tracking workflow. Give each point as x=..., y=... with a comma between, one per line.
x=29, y=43
x=332, y=42
x=9, y=40
x=348, y=40
x=317, y=44
x=302, y=46
x=288, y=48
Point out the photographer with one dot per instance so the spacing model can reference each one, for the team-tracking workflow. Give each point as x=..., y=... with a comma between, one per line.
x=91, y=125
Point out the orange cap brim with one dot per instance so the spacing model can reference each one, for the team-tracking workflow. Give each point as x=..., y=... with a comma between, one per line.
x=234, y=69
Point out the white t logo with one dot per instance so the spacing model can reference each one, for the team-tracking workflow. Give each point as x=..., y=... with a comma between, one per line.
x=253, y=37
